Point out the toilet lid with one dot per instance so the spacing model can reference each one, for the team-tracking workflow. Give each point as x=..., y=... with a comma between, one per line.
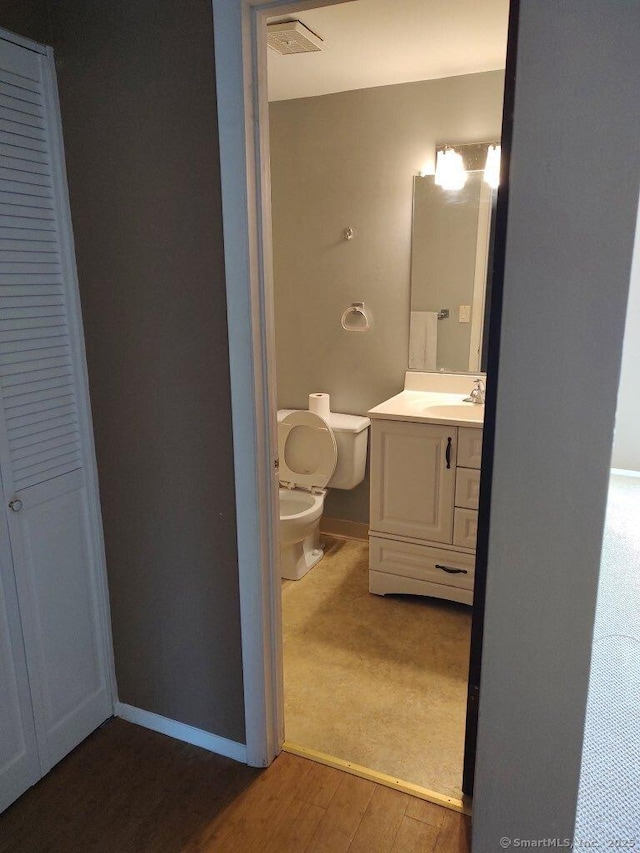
x=307, y=450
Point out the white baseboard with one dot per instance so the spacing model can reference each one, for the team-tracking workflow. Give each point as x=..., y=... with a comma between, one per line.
x=624, y=472
x=181, y=731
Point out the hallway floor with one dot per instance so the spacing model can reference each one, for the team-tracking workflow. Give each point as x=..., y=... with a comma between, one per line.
x=379, y=681
x=609, y=793
x=128, y=790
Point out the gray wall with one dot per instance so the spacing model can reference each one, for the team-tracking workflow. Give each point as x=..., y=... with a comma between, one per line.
x=569, y=243
x=348, y=160
x=139, y=117
x=626, y=444
x=28, y=18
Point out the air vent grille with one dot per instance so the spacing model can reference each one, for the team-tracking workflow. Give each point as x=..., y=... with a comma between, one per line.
x=292, y=37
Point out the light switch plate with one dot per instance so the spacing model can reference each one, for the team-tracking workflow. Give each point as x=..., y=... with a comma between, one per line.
x=464, y=313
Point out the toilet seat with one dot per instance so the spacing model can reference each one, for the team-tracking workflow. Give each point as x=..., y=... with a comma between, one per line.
x=308, y=451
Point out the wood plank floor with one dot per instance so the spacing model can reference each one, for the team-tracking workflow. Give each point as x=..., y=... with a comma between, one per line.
x=129, y=790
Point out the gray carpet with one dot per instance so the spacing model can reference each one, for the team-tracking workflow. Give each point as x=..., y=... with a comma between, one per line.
x=609, y=795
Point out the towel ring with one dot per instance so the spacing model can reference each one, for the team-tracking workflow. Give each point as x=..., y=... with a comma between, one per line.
x=355, y=318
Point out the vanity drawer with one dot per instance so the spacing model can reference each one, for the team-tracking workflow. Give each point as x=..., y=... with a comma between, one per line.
x=421, y=562
x=469, y=447
x=467, y=487
x=465, y=527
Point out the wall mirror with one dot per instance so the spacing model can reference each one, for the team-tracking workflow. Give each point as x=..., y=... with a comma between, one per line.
x=451, y=249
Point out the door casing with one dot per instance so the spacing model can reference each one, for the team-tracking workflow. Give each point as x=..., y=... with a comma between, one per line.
x=241, y=77
x=241, y=81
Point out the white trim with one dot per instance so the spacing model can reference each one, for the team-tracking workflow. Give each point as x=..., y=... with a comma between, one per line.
x=253, y=447
x=483, y=236
x=240, y=58
x=23, y=42
x=241, y=82
x=625, y=472
x=181, y=731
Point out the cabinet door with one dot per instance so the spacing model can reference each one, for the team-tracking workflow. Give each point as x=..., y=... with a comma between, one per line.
x=467, y=486
x=413, y=469
x=469, y=447
x=465, y=527
x=46, y=451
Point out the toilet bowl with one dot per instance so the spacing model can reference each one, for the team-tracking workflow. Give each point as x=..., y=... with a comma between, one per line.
x=314, y=452
x=308, y=456
x=300, y=549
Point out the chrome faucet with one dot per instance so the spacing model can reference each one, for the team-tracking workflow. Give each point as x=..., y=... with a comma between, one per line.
x=478, y=393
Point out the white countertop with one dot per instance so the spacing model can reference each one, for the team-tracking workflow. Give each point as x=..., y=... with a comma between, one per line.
x=430, y=407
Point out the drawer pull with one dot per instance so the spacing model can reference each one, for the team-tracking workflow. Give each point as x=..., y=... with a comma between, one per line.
x=451, y=571
x=448, y=453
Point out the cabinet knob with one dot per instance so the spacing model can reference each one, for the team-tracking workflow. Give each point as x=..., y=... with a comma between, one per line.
x=15, y=505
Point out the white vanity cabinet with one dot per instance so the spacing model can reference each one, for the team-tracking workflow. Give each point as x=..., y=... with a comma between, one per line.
x=425, y=480
x=413, y=479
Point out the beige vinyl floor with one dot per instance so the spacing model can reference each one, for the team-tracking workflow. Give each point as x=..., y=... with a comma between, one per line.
x=380, y=681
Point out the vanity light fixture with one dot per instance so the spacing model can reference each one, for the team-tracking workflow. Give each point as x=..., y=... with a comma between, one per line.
x=492, y=167
x=450, y=171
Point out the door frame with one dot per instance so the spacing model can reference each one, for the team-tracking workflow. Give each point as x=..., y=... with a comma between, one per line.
x=242, y=100
x=241, y=82
x=491, y=343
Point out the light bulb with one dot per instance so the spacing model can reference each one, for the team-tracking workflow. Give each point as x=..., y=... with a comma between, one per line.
x=492, y=167
x=450, y=171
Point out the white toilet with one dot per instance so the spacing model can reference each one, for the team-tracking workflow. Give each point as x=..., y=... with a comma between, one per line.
x=315, y=453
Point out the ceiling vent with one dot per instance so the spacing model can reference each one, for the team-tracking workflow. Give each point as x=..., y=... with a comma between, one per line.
x=292, y=37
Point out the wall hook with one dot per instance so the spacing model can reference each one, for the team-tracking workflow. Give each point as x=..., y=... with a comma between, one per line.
x=349, y=233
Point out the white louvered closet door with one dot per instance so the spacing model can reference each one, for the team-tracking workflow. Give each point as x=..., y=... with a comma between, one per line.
x=46, y=450
x=19, y=765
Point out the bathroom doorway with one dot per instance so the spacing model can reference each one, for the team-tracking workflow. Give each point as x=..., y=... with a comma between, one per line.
x=378, y=681
x=303, y=315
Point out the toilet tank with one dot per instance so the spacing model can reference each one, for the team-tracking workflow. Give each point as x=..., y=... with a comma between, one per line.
x=352, y=436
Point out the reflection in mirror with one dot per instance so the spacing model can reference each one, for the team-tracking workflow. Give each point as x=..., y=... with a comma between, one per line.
x=450, y=290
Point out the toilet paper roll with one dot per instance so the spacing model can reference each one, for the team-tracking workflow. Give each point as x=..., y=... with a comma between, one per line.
x=320, y=404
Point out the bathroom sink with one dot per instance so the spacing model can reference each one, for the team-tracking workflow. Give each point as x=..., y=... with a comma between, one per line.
x=456, y=411
x=444, y=408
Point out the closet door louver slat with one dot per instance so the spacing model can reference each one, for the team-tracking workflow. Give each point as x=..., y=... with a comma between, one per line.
x=25, y=211
x=33, y=320
x=46, y=418
x=36, y=321
x=52, y=371
x=22, y=82
x=19, y=108
x=20, y=175
x=27, y=437
x=22, y=146
x=32, y=157
x=41, y=284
